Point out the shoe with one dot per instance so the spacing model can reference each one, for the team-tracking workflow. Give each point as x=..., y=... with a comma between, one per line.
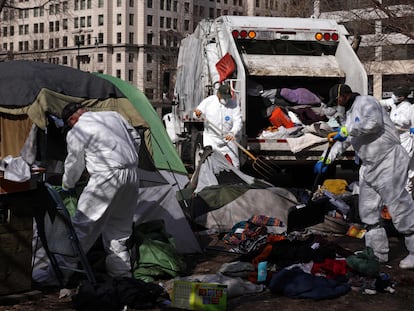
x=407, y=262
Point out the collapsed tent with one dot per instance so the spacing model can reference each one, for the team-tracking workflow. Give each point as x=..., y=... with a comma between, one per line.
x=224, y=196
x=32, y=96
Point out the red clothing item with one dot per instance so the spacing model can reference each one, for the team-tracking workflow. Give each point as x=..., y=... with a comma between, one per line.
x=330, y=268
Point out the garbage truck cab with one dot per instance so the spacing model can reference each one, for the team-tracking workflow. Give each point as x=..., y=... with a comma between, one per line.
x=259, y=56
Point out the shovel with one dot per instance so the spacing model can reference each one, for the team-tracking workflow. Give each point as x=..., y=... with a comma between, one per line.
x=264, y=169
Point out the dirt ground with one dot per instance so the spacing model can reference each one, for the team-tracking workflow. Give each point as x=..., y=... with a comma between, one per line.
x=215, y=255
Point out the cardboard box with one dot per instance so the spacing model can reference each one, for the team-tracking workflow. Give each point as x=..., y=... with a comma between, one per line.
x=199, y=296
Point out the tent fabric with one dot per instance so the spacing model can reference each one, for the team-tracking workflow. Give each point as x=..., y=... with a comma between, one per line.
x=21, y=82
x=13, y=133
x=37, y=90
x=165, y=154
x=219, y=206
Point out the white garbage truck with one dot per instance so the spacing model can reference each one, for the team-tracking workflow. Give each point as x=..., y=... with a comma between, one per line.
x=259, y=57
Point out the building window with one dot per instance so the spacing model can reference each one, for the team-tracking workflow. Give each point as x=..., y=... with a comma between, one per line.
x=100, y=58
x=83, y=4
x=76, y=22
x=131, y=38
x=130, y=75
x=89, y=21
x=119, y=19
x=131, y=19
x=161, y=4
x=187, y=8
x=65, y=41
x=64, y=60
x=118, y=57
x=57, y=26
x=118, y=73
x=149, y=38
x=51, y=27
x=41, y=27
x=83, y=21
x=149, y=3
x=35, y=45
x=398, y=52
x=175, y=22
x=149, y=58
x=149, y=75
x=100, y=20
x=100, y=3
x=100, y=38
x=168, y=23
x=57, y=43
x=36, y=28
x=118, y=37
x=65, y=23
x=149, y=20
x=175, y=6
x=161, y=21
x=131, y=57
x=186, y=25
x=118, y=3
x=51, y=42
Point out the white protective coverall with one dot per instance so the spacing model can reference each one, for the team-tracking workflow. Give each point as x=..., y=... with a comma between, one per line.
x=108, y=146
x=383, y=173
x=227, y=118
x=402, y=115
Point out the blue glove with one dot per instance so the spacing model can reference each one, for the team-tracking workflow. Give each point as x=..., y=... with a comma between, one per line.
x=412, y=130
x=342, y=134
x=68, y=192
x=320, y=167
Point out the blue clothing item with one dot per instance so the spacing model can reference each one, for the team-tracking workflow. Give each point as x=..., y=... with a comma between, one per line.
x=320, y=167
x=295, y=283
x=339, y=137
x=412, y=130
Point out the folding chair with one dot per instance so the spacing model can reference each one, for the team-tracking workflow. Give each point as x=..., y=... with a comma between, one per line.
x=59, y=238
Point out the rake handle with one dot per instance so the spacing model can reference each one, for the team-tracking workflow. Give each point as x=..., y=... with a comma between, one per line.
x=247, y=152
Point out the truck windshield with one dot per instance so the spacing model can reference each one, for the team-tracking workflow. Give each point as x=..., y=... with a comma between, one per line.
x=285, y=47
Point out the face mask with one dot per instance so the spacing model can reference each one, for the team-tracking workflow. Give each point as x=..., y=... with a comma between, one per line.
x=394, y=98
x=223, y=101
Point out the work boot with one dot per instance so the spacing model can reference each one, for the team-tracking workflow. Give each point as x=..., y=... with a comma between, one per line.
x=407, y=262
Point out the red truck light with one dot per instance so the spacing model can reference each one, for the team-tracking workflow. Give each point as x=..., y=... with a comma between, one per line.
x=243, y=34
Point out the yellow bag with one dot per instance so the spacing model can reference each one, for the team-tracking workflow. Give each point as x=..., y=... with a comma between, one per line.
x=335, y=186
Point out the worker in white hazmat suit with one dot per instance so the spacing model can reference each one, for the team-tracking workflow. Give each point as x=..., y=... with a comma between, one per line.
x=107, y=145
x=402, y=115
x=223, y=123
x=383, y=173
